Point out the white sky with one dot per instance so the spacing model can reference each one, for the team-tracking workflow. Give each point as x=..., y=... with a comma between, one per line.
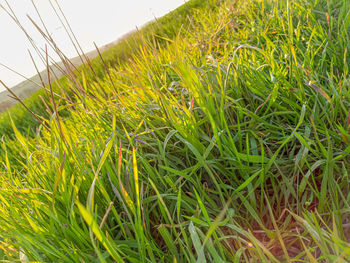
x=100, y=21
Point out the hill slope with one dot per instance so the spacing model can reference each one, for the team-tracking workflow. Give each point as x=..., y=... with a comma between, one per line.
x=26, y=88
x=222, y=139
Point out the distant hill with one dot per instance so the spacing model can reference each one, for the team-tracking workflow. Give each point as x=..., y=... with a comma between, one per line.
x=24, y=89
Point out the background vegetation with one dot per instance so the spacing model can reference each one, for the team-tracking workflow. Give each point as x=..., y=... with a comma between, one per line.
x=222, y=135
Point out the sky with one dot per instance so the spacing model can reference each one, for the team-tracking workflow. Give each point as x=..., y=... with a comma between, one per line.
x=100, y=21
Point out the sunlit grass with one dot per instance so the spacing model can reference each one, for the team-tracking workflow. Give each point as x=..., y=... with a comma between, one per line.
x=225, y=142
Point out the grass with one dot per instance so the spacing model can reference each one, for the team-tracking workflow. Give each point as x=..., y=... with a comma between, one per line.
x=163, y=28
x=227, y=141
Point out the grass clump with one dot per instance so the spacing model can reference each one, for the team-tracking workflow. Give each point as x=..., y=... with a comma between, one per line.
x=162, y=28
x=227, y=143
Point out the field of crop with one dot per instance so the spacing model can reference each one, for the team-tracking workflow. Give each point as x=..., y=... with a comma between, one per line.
x=220, y=133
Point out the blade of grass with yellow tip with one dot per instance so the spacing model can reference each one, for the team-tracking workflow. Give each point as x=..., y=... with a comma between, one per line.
x=98, y=233
x=125, y=194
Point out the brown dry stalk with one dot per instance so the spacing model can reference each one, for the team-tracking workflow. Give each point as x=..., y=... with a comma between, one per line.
x=14, y=96
x=106, y=214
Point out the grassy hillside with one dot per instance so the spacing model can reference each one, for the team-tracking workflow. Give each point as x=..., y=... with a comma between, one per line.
x=163, y=28
x=220, y=135
x=26, y=88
